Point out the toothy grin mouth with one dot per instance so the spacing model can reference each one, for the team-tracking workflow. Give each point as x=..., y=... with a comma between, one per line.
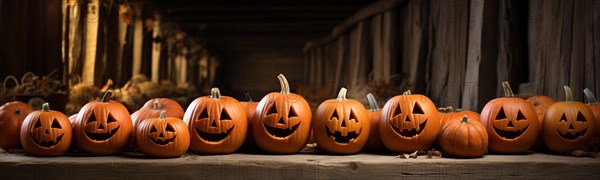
x=101, y=136
x=337, y=135
x=48, y=143
x=281, y=133
x=572, y=136
x=213, y=137
x=163, y=141
x=412, y=132
x=510, y=134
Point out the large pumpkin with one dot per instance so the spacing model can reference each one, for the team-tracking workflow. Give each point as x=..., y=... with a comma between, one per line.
x=152, y=109
x=217, y=124
x=12, y=115
x=163, y=136
x=374, y=142
x=568, y=125
x=282, y=121
x=250, y=107
x=46, y=133
x=341, y=125
x=540, y=105
x=409, y=122
x=594, y=106
x=464, y=137
x=103, y=127
x=511, y=123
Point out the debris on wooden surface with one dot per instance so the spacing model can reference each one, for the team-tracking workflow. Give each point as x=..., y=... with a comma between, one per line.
x=309, y=148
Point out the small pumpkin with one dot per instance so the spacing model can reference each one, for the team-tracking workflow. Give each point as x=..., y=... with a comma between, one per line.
x=341, y=125
x=409, y=122
x=449, y=114
x=374, y=142
x=250, y=107
x=282, y=121
x=103, y=127
x=464, y=137
x=511, y=123
x=594, y=106
x=217, y=124
x=46, y=133
x=12, y=115
x=152, y=109
x=568, y=125
x=163, y=136
x=540, y=105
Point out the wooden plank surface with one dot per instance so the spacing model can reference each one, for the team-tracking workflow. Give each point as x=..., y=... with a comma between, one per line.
x=298, y=166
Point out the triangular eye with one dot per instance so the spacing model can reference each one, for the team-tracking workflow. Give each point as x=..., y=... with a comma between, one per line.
x=501, y=114
x=92, y=118
x=55, y=124
x=38, y=124
x=334, y=115
x=169, y=128
x=203, y=115
x=520, y=116
x=353, y=116
x=225, y=115
x=397, y=111
x=417, y=109
x=563, y=118
x=110, y=119
x=153, y=130
x=292, y=113
x=580, y=117
x=272, y=109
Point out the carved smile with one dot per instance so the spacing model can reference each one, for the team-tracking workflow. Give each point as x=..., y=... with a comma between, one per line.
x=213, y=137
x=49, y=143
x=101, y=136
x=572, y=136
x=409, y=133
x=281, y=133
x=337, y=135
x=163, y=141
x=510, y=134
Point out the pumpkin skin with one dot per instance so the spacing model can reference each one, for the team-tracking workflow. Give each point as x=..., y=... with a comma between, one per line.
x=282, y=121
x=409, y=122
x=341, y=126
x=540, y=105
x=594, y=107
x=46, y=133
x=568, y=125
x=452, y=115
x=152, y=109
x=511, y=123
x=464, y=137
x=374, y=142
x=165, y=137
x=12, y=115
x=250, y=107
x=103, y=127
x=217, y=124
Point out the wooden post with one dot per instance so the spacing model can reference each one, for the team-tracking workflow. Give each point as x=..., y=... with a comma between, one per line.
x=156, y=48
x=138, y=37
x=91, y=40
x=469, y=98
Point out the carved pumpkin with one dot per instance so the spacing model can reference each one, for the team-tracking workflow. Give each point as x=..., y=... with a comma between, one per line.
x=163, y=136
x=540, y=105
x=511, y=123
x=103, y=127
x=250, y=107
x=464, y=137
x=409, y=122
x=341, y=125
x=282, y=121
x=12, y=115
x=46, y=133
x=568, y=125
x=217, y=124
x=374, y=142
x=594, y=107
x=152, y=109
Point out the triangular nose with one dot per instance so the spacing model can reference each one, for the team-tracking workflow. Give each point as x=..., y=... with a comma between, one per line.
x=46, y=132
x=343, y=123
x=100, y=126
x=213, y=124
x=571, y=126
x=281, y=121
x=510, y=124
x=161, y=135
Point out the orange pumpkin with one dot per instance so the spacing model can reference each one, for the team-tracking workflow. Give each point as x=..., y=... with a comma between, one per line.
x=464, y=137
x=511, y=123
x=450, y=115
x=374, y=142
x=540, y=105
x=12, y=115
x=250, y=107
x=163, y=136
x=594, y=106
x=341, y=125
x=568, y=125
x=409, y=122
x=46, y=133
x=103, y=127
x=282, y=121
x=152, y=109
x=217, y=124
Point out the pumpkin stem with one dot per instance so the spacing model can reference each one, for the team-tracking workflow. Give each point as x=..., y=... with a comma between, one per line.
x=342, y=94
x=45, y=107
x=156, y=104
x=163, y=114
x=407, y=92
x=285, y=86
x=448, y=109
x=106, y=96
x=372, y=102
x=507, y=90
x=215, y=93
x=465, y=120
x=589, y=97
x=249, y=97
x=568, y=94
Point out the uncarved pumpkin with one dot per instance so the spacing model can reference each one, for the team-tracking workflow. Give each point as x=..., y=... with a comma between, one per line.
x=594, y=106
x=511, y=123
x=540, y=105
x=374, y=142
x=46, y=133
x=451, y=115
x=464, y=137
x=163, y=136
x=250, y=107
x=12, y=115
x=568, y=125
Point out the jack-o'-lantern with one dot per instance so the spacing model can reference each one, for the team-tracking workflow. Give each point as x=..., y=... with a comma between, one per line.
x=152, y=109
x=594, y=106
x=103, y=127
x=463, y=137
x=46, y=133
x=568, y=125
x=217, y=124
x=409, y=122
x=12, y=115
x=163, y=136
x=511, y=123
x=341, y=125
x=250, y=107
x=374, y=142
x=540, y=105
x=282, y=121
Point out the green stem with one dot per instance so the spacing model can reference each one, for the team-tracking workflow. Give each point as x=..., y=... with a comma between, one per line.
x=106, y=96
x=589, y=97
x=163, y=114
x=342, y=94
x=372, y=102
x=568, y=94
x=45, y=107
x=215, y=93
x=285, y=86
